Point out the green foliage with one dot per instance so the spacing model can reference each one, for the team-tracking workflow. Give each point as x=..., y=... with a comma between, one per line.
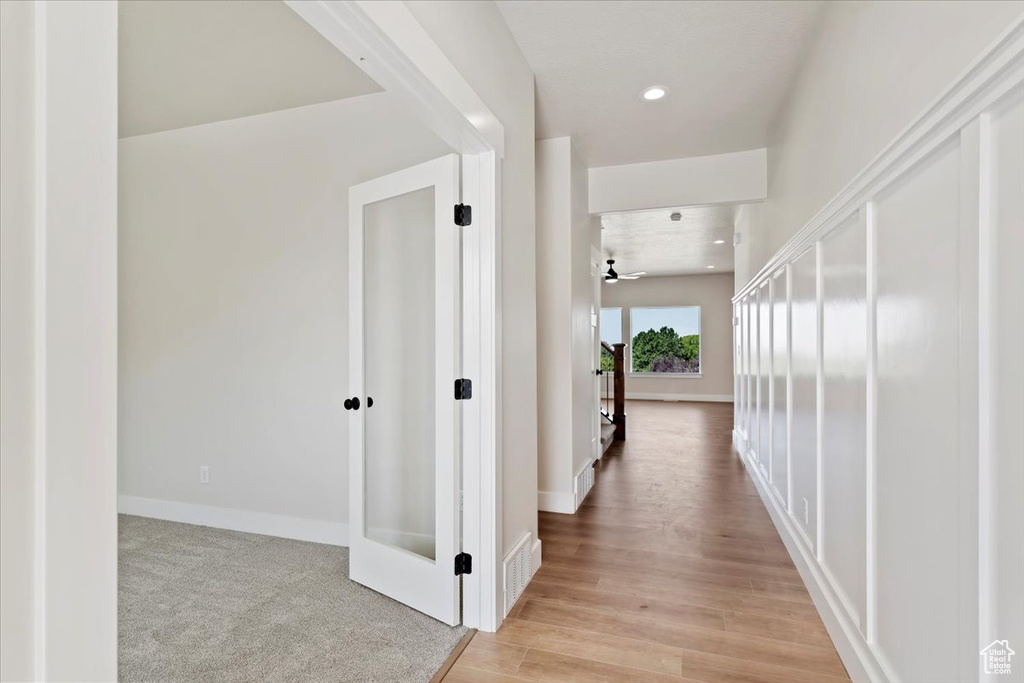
x=607, y=361
x=665, y=351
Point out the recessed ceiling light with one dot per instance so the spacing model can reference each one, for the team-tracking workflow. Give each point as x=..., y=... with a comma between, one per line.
x=719, y=241
x=655, y=92
x=710, y=267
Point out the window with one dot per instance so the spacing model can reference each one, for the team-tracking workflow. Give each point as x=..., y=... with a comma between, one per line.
x=611, y=325
x=611, y=333
x=666, y=341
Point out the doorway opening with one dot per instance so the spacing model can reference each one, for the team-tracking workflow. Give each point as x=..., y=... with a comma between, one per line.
x=293, y=313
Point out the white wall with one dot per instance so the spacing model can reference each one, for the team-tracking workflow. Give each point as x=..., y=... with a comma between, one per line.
x=898, y=53
x=566, y=411
x=233, y=311
x=474, y=36
x=58, y=401
x=893, y=338
x=712, y=293
x=717, y=179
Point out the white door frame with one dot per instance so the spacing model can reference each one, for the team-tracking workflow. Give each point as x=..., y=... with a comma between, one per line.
x=387, y=42
x=595, y=295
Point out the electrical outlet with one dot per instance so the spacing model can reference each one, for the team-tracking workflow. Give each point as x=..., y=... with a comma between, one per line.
x=204, y=474
x=807, y=513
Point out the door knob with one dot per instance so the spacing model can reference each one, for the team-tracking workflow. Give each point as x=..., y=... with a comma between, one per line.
x=352, y=403
x=369, y=401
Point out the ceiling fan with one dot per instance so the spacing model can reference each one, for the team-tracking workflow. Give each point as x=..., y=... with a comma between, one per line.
x=611, y=277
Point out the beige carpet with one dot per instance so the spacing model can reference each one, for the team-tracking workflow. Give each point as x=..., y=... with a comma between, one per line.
x=200, y=604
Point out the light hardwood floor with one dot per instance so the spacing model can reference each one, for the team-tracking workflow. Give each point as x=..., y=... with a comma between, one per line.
x=670, y=571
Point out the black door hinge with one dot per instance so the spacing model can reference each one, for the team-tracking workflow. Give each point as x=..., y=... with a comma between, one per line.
x=463, y=215
x=463, y=389
x=463, y=564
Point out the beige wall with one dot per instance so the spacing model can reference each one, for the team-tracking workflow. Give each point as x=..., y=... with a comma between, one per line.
x=873, y=67
x=749, y=253
x=474, y=36
x=17, y=501
x=554, y=321
x=713, y=293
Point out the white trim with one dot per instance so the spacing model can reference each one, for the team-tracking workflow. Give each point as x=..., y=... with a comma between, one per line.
x=556, y=501
x=481, y=452
x=669, y=375
x=233, y=519
x=994, y=73
x=789, y=389
x=819, y=401
x=645, y=396
x=870, y=625
x=978, y=497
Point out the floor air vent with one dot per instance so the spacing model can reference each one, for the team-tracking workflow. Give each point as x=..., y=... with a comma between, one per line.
x=518, y=567
x=584, y=482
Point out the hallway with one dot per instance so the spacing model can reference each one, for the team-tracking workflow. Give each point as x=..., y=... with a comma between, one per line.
x=671, y=570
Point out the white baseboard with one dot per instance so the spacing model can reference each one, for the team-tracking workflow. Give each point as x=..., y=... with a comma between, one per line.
x=713, y=398
x=857, y=656
x=313, y=530
x=536, y=557
x=554, y=501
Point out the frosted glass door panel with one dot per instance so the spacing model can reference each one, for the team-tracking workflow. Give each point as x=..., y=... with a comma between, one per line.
x=399, y=451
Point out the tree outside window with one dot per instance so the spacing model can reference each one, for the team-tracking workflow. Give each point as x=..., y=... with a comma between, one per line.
x=666, y=340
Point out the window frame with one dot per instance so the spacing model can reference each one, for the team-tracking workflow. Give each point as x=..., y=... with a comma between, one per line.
x=700, y=352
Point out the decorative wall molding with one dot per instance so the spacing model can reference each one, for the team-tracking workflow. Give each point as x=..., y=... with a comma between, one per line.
x=995, y=72
x=856, y=655
x=312, y=530
x=907, y=305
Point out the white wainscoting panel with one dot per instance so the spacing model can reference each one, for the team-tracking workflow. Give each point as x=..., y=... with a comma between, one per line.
x=749, y=360
x=880, y=379
x=917, y=334
x=844, y=426
x=738, y=386
x=1002, y=380
x=804, y=399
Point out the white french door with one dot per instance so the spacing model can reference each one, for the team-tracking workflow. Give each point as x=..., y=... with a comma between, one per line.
x=595, y=332
x=403, y=362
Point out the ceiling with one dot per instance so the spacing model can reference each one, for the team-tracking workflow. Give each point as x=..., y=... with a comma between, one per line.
x=185, y=63
x=651, y=241
x=727, y=66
